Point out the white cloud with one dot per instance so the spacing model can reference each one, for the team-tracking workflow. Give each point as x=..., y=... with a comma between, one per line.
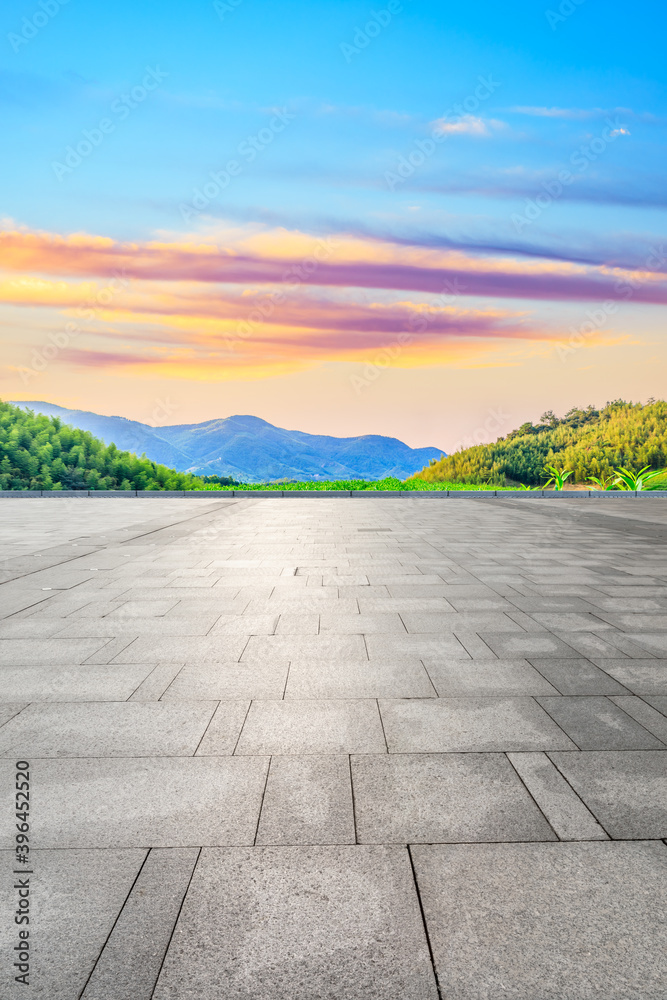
x=467, y=125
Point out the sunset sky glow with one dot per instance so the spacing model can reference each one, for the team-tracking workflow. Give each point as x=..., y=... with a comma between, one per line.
x=419, y=219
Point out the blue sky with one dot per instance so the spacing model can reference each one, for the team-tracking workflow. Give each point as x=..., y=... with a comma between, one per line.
x=335, y=97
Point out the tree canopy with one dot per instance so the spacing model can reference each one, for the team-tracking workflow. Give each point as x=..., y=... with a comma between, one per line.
x=591, y=442
x=41, y=453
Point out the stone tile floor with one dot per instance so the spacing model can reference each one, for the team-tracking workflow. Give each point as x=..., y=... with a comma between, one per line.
x=333, y=749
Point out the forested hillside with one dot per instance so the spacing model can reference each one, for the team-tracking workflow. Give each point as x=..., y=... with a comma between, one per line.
x=42, y=453
x=590, y=442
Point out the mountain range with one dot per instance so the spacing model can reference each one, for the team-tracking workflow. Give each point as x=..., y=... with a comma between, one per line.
x=249, y=449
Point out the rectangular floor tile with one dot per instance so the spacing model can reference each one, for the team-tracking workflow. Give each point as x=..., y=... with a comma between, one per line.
x=442, y=725
x=371, y=605
x=133, y=627
x=9, y=710
x=440, y=798
x=543, y=920
x=364, y=679
x=565, y=811
x=465, y=621
x=625, y=790
x=360, y=624
x=151, y=649
x=128, y=967
x=453, y=678
x=107, y=729
x=228, y=680
x=655, y=643
x=527, y=644
x=639, y=676
x=156, y=682
x=596, y=723
x=299, y=923
x=298, y=624
x=648, y=717
x=141, y=801
x=79, y=683
x=308, y=800
x=416, y=646
x=245, y=625
x=76, y=899
x=270, y=648
x=312, y=727
x=576, y=676
x=16, y=652
x=224, y=729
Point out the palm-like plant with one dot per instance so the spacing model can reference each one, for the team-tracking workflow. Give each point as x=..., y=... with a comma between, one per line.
x=608, y=483
x=627, y=480
x=558, y=477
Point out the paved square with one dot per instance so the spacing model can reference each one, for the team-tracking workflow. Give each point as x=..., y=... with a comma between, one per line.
x=404, y=749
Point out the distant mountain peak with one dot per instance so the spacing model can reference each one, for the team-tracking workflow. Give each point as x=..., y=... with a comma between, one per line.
x=249, y=448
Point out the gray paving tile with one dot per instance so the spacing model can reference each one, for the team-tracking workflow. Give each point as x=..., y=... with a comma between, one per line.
x=180, y=649
x=403, y=590
x=596, y=723
x=493, y=677
x=312, y=727
x=15, y=652
x=228, y=680
x=544, y=921
x=308, y=800
x=648, y=717
x=639, y=676
x=156, y=683
x=655, y=643
x=481, y=604
x=465, y=621
x=415, y=646
x=110, y=628
x=143, y=609
x=639, y=604
x=302, y=604
x=442, y=725
x=625, y=790
x=75, y=901
x=140, y=801
x=32, y=627
x=9, y=710
x=298, y=624
x=553, y=605
x=565, y=811
x=443, y=798
x=224, y=729
x=574, y=677
x=609, y=643
x=245, y=625
x=107, y=729
x=527, y=644
x=635, y=621
x=355, y=933
x=659, y=702
x=370, y=605
x=272, y=648
x=187, y=608
x=79, y=683
x=360, y=624
x=130, y=962
x=364, y=679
